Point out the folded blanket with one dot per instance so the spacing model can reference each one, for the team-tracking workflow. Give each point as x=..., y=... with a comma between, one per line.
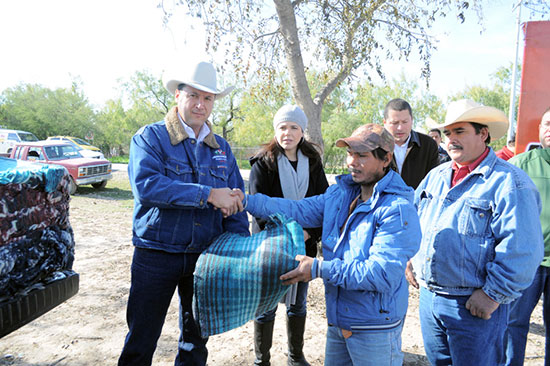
x=237, y=277
x=36, y=238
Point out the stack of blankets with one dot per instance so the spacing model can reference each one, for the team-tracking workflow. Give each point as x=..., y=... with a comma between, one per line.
x=237, y=277
x=36, y=239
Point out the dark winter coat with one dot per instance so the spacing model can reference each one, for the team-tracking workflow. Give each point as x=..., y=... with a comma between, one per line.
x=422, y=156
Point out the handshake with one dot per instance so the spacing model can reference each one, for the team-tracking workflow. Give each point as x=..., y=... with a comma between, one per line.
x=229, y=201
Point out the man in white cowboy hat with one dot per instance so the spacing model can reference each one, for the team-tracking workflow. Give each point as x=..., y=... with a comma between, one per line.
x=481, y=241
x=180, y=173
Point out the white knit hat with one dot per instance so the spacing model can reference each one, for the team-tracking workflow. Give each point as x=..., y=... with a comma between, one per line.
x=290, y=113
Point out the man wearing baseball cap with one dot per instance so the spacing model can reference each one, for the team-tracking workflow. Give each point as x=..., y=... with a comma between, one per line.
x=370, y=231
x=481, y=242
x=180, y=172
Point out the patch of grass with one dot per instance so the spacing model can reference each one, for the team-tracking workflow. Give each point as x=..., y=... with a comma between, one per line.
x=243, y=163
x=117, y=189
x=119, y=159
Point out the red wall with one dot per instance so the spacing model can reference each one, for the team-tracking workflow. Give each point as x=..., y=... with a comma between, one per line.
x=534, y=97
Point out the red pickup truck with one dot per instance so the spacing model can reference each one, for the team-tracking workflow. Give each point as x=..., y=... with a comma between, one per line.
x=82, y=170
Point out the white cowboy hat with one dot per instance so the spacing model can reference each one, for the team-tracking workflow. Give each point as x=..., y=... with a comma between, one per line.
x=466, y=110
x=201, y=75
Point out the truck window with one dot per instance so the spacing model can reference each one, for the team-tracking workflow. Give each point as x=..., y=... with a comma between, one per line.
x=27, y=136
x=13, y=136
x=35, y=153
x=53, y=152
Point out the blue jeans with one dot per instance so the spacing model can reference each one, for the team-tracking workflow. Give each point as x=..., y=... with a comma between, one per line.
x=299, y=309
x=452, y=336
x=520, y=315
x=155, y=276
x=364, y=348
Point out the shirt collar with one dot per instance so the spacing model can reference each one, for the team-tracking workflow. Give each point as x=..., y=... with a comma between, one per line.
x=204, y=131
x=470, y=167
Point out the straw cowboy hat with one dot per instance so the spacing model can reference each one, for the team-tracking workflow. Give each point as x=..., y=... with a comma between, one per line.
x=466, y=110
x=431, y=123
x=201, y=75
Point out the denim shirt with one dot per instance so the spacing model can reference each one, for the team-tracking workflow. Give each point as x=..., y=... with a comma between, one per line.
x=482, y=233
x=171, y=176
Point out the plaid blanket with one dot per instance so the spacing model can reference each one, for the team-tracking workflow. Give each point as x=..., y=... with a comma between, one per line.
x=237, y=277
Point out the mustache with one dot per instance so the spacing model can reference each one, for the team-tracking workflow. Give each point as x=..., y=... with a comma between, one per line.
x=455, y=147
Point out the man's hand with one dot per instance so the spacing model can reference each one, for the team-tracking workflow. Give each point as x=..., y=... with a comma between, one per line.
x=225, y=200
x=306, y=235
x=302, y=273
x=238, y=193
x=481, y=305
x=409, y=275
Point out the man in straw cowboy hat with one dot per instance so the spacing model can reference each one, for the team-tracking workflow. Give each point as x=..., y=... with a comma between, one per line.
x=180, y=172
x=481, y=241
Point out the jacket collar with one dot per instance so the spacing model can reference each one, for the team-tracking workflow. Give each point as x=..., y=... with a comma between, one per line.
x=485, y=167
x=177, y=132
x=415, y=139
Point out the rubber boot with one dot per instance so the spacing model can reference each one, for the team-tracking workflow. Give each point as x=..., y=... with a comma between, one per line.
x=295, y=327
x=263, y=337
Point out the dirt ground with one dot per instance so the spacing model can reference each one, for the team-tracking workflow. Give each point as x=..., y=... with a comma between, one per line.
x=89, y=329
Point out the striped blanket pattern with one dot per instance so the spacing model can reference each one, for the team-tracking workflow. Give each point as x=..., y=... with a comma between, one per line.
x=237, y=277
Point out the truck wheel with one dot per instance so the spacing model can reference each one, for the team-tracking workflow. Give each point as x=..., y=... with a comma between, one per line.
x=99, y=185
x=72, y=186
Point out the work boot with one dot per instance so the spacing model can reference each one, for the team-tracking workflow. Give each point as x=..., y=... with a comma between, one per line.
x=295, y=326
x=263, y=336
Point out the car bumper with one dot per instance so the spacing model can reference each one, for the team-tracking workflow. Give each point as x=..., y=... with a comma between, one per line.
x=19, y=311
x=94, y=179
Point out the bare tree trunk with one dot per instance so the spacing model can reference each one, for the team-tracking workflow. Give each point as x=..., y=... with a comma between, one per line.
x=300, y=88
x=298, y=80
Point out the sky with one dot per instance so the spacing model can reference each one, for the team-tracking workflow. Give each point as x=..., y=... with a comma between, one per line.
x=101, y=42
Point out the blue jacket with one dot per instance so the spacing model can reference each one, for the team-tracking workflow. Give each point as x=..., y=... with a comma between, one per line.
x=482, y=233
x=171, y=177
x=364, y=265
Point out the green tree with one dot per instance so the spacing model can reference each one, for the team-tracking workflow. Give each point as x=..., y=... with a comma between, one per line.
x=367, y=106
x=257, y=106
x=340, y=36
x=46, y=112
x=143, y=100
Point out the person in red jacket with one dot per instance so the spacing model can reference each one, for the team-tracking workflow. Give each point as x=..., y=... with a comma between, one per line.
x=509, y=150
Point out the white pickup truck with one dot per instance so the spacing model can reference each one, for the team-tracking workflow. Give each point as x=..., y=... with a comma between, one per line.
x=8, y=139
